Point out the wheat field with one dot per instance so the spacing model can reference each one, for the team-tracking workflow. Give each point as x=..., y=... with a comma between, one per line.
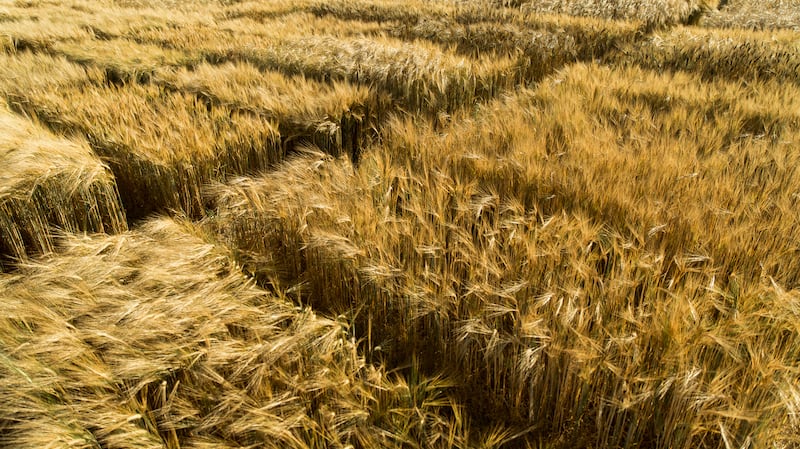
x=359, y=224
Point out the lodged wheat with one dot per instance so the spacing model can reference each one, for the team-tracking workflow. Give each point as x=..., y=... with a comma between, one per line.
x=419, y=76
x=334, y=117
x=25, y=72
x=161, y=163
x=658, y=13
x=27, y=33
x=755, y=15
x=263, y=11
x=50, y=182
x=122, y=60
x=545, y=42
x=731, y=54
x=152, y=339
x=480, y=223
x=559, y=251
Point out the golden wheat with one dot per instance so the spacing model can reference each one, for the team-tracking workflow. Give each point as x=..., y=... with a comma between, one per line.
x=583, y=212
x=50, y=182
x=153, y=339
x=514, y=246
x=98, y=18
x=163, y=161
x=299, y=24
x=409, y=12
x=264, y=11
x=10, y=12
x=122, y=60
x=25, y=72
x=755, y=15
x=190, y=39
x=477, y=28
x=420, y=76
x=333, y=117
x=110, y=23
x=731, y=54
x=655, y=13
x=37, y=34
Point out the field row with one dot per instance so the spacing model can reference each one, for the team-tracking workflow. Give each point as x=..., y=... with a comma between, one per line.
x=80, y=194
x=153, y=339
x=121, y=15
x=600, y=253
x=165, y=140
x=255, y=62
x=267, y=34
x=607, y=249
x=561, y=223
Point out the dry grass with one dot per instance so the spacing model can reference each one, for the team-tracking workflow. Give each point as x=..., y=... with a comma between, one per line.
x=616, y=278
x=151, y=339
x=50, y=182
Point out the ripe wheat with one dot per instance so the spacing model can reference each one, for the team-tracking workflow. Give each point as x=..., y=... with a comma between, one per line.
x=50, y=182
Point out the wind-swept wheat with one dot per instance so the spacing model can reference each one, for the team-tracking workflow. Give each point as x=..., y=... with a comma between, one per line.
x=47, y=183
x=153, y=339
x=495, y=247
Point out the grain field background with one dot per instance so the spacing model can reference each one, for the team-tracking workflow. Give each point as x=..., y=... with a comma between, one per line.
x=410, y=224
